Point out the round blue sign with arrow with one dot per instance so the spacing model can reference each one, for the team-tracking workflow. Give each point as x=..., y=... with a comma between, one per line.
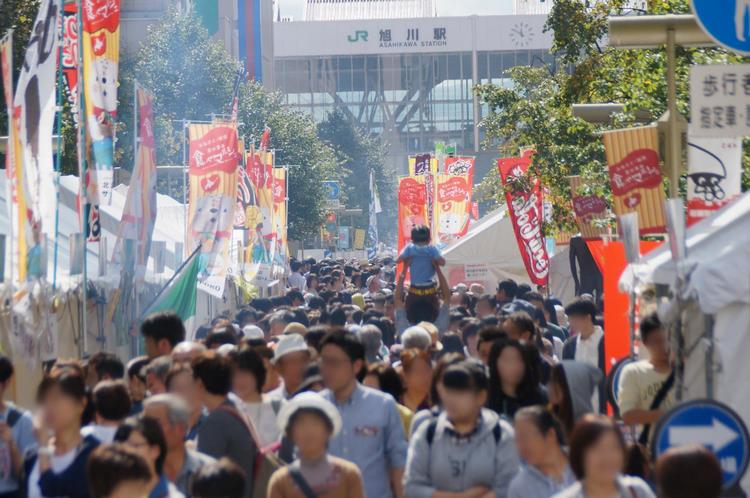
x=711, y=424
x=726, y=21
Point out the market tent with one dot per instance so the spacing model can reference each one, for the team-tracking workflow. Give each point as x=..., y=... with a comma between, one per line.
x=487, y=254
x=718, y=284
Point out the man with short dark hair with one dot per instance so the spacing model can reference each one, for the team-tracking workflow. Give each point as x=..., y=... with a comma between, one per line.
x=225, y=432
x=506, y=292
x=181, y=463
x=520, y=327
x=296, y=280
x=586, y=343
x=372, y=436
x=295, y=298
x=115, y=471
x=103, y=366
x=486, y=337
x=16, y=434
x=161, y=332
x=111, y=405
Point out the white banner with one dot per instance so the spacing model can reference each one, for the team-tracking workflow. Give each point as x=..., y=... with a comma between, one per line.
x=714, y=174
x=719, y=100
x=35, y=98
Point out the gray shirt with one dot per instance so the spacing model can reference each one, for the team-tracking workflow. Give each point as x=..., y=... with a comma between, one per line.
x=630, y=487
x=225, y=433
x=23, y=435
x=531, y=483
x=456, y=463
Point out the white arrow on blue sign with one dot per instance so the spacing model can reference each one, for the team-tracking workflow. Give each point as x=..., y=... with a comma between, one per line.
x=726, y=21
x=711, y=424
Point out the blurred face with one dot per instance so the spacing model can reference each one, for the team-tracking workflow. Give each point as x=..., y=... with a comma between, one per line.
x=292, y=367
x=456, y=299
x=510, y=366
x=513, y=331
x=336, y=368
x=389, y=309
x=533, y=446
x=137, y=388
x=310, y=434
x=138, y=443
x=244, y=383
x=657, y=345
x=371, y=381
x=484, y=309
x=555, y=393
x=129, y=489
x=471, y=345
x=483, y=351
x=604, y=460
x=61, y=411
x=174, y=435
x=183, y=385
x=154, y=384
x=461, y=406
x=277, y=327
x=580, y=323
x=313, y=284
x=419, y=376
x=152, y=349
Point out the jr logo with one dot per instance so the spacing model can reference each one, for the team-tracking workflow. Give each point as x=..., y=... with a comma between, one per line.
x=358, y=36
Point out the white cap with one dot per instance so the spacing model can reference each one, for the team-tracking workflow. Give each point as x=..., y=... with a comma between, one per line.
x=253, y=332
x=309, y=400
x=226, y=349
x=289, y=343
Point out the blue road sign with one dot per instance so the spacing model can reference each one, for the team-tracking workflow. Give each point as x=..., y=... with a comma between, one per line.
x=726, y=21
x=613, y=382
x=711, y=424
x=332, y=190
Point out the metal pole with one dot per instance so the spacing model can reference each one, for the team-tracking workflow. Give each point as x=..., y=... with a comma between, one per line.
x=674, y=140
x=709, y=357
x=82, y=172
x=184, y=185
x=632, y=324
x=58, y=157
x=136, y=301
x=11, y=152
x=475, y=81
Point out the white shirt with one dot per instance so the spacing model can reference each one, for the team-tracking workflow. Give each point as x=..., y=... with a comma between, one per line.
x=59, y=464
x=264, y=418
x=587, y=351
x=298, y=281
x=104, y=433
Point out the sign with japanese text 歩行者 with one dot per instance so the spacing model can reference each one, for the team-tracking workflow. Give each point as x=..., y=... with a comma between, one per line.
x=720, y=100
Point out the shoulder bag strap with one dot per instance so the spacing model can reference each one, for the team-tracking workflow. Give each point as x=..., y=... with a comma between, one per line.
x=661, y=395
x=245, y=422
x=301, y=482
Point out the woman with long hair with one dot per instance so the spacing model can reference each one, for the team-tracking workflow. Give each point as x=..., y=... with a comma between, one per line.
x=571, y=386
x=597, y=457
x=514, y=379
x=383, y=377
x=417, y=373
x=59, y=467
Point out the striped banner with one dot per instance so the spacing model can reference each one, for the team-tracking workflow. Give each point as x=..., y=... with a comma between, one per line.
x=587, y=209
x=634, y=174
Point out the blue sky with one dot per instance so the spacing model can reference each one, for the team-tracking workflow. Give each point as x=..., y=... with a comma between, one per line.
x=295, y=8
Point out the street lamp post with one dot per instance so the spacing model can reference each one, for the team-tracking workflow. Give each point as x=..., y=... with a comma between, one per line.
x=654, y=32
x=603, y=113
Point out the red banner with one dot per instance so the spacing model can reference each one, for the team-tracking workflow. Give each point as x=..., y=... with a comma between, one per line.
x=412, y=207
x=525, y=209
x=70, y=56
x=214, y=151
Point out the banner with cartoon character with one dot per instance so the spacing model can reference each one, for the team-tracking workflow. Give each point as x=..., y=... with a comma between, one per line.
x=259, y=217
x=452, y=208
x=213, y=193
x=101, y=49
x=587, y=209
x=280, y=217
x=714, y=175
x=139, y=214
x=412, y=207
x=523, y=197
x=634, y=176
x=34, y=104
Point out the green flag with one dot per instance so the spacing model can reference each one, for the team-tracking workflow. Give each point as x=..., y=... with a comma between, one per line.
x=179, y=295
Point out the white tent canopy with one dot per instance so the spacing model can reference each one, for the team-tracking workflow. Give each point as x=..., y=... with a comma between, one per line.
x=718, y=284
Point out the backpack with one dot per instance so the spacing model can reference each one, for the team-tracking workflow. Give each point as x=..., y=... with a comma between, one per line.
x=497, y=432
x=14, y=415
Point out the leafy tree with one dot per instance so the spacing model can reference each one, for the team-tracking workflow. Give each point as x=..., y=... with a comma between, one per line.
x=357, y=154
x=192, y=78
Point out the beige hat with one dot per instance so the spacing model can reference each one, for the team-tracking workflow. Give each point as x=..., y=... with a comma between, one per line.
x=295, y=328
x=309, y=400
x=289, y=343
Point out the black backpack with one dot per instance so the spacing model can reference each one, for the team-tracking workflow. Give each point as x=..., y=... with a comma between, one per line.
x=14, y=415
x=497, y=432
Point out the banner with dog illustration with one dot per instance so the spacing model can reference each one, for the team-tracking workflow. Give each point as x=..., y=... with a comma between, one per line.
x=101, y=49
x=523, y=196
x=588, y=209
x=412, y=207
x=452, y=208
x=634, y=175
x=213, y=192
x=714, y=175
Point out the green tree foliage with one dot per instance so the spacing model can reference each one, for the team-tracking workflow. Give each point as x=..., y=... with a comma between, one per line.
x=535, y=110
x=357, y=154
x=192, y=78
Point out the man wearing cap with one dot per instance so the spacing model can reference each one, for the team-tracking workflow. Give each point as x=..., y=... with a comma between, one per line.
x=290, y=358
x=372, y=435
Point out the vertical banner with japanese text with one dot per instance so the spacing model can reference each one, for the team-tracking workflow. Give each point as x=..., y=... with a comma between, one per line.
x=587, y=209
x=280, y=218
x=34, y=107
x=70, y=56
x=213, y=193
x=714, y=175
x=139, y=214
x=101, y=55
x=452, y=208
x=260, y=215
x=634, y=175
x=523, y=196
x=412, y=207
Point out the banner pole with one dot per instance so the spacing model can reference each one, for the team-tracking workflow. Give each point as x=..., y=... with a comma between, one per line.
x=185, y=172
x=10, y=179
x=83, y=201
x=58, y=156
x=136, y=301
x=171, y=279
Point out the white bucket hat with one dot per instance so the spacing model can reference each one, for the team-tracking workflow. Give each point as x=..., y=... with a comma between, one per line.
x=253, y=332
x=291, y=343
x=309, y=400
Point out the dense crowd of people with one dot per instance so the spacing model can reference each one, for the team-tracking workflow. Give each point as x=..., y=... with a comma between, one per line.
x=352, y=384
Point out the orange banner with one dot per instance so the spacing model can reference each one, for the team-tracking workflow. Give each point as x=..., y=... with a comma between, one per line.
x=635, y=177
x=587, y=209
x=412, y=207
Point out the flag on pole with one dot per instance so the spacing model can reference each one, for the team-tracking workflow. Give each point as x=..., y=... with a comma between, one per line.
x=180, y=293
x=372, y=232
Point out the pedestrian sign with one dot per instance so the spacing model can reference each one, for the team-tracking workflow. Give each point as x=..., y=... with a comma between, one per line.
x=613, y=382
x=711, y=424
x=332, y=191
x=726, y=21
